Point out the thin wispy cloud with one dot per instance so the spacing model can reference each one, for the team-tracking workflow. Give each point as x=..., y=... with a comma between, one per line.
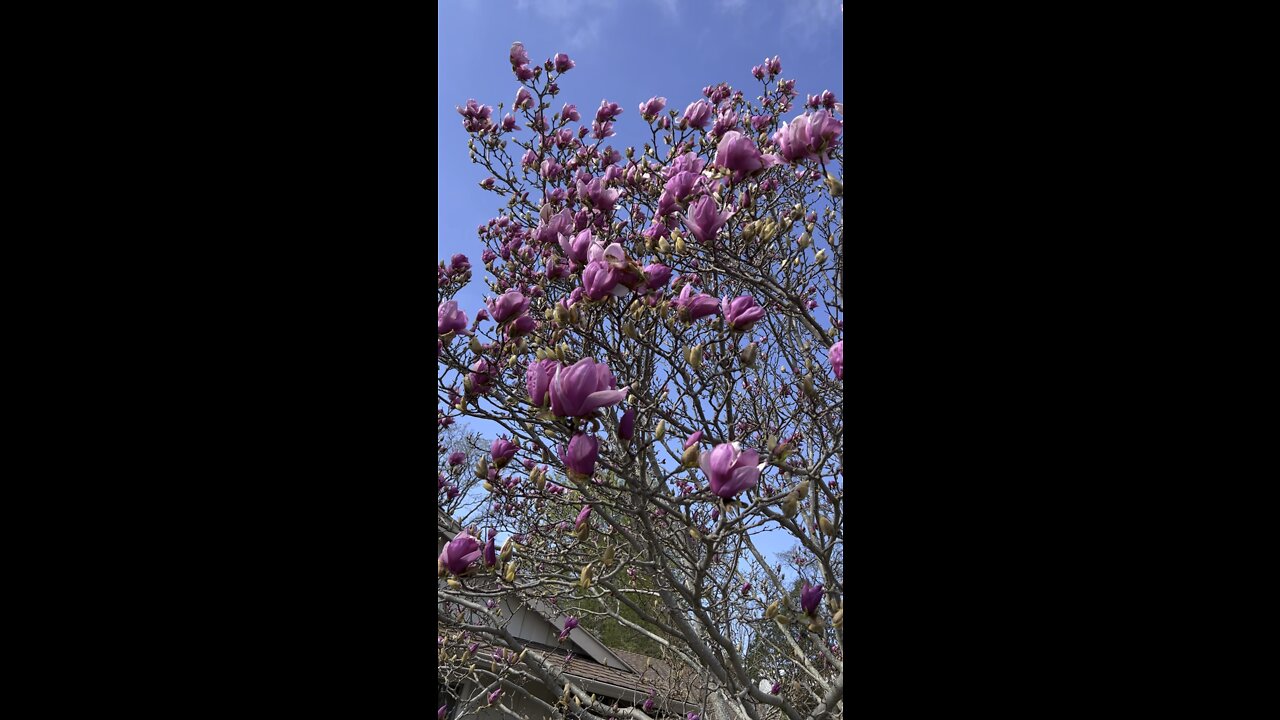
x=732, y=5
x=669, y=8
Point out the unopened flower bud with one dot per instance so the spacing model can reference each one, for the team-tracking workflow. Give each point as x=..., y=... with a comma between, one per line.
x=585, y=578
x=803, y=489
x=663, y=246
x=482, y=469
x=661, y=431
x=826, y=526
x=803, y=241
x=505, y=554
x=510, y=575
x=771, y=611
x=748, y=355
x=791, y=505
x=691, y=457
x=835, y=186
x=820, y=256
x=838, y=619
x=607, y=559
x=679, y=246
x=475, y=346
x=694, y=356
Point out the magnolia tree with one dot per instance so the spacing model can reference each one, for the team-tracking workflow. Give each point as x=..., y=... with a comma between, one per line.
x=662, y=352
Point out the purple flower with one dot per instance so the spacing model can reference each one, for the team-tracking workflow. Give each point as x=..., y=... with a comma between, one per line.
x=687, y=162
x=607, y=111
x=481, y=376
x=493, y=696
x=836, y=356
x=810, y=597
x=742, y=312
x=570, y=112
x=731, y=470
x=650, y=108
x=571, y=622
x=600, y=279
x=656, y=275
x=562, y=63
x=509, y=123
x=598, y=195
x=703, y=220
x=692, y=307
x=679, y=188
x=523, y=73
x=583, y=388
x=490, y=557
x=459, y=553
x=457, y=458
x=475, y=117
x=697, y=114
x=511, y=304
x=579, y=458
x=808, y=137
x=502, y=451
x=459, y=262
x=692, y=440
x=692, y=716
x=550, y=169
x=442, y=712
x=583, y=516
x=538, y=379
x=777, y=688
x=550, y=230
x=627, y=426
x=760, y=122
x=773, y=64
x=523, y=98
x=450, y=319
x=738, y=153
x=757, y=72
x=648, y=705
x=575, y=248
x=746, y=589
x=521, y=326
x=518, y=55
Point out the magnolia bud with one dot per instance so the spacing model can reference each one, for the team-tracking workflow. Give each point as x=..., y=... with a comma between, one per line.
x=663, y=246
x=835, y=186
x=820, y=256
x=784, y=619
x=475, y=346
x=826, y=526
x=694, y=356
x=488, y=487
x=661, y=431
x=803, y=241
x=607, y=559
x=585, y=578
x=691, y=457
x=771, y=611
x=807, y=383
x=803, y=489
x=748, y=355
x=629, y=330
x=680, y=246
x=838, y=619
x=440, y=568
x=511, y=572
x=562, y=314
x=482, y=469
x=791, y=505
x=505, y=554
x=574, y=315
x=693, y=533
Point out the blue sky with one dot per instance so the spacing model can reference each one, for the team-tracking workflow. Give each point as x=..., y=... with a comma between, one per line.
x=626, y=52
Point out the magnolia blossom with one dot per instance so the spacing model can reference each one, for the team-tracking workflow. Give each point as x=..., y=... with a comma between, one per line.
x=692, y=306
x=681, y=187
x=656, y=275
x=810, y=597
x=450, y=319
x=697, y=114
x=730, y=469
x=741, y=313
x=481, y=376
x=457, y=458
x=627, y=425
x=538, y=379
x=570, y=623
x=704, y=220
x=738, y=153
x=562, y=63
x=511, y=304
x=808, y=137
x=579, y=456
x=519, y=56
x=459, y=553
x=651, y=107
x=583, y=516
x=600, y=197
x=836, y=356
x=490, y=556
x=523, y=98
x=583, y=388
x=692, y=440
x=502, y=451
x=575, y=248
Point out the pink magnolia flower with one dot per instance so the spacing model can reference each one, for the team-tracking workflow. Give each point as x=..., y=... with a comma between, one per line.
x=475, y=117
x=693, y=306
x=518, y=55
x=502, y=451
x=459, y=553
x=704, y=220
x=692, y=440
x=808, y=137
x=731, y=470
x=810, y=597
x=583, y=515
x=450, y=319
x=579, y=456
x=741, y=313
x=562, y=63
x=523, y=98
x=651, y=107
x=697, y=114
x=598, y=195
x=600, y=279
x=490, y=556
x=836, y=356
x=538, y=379
x=583, y=388
x=738, y=153
x=687, y=162
x=481, y=376
x=679, y=188
x=575, y=248
x=511, y=304
x=627, y=425
x=570, y=112
x=656, y=275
